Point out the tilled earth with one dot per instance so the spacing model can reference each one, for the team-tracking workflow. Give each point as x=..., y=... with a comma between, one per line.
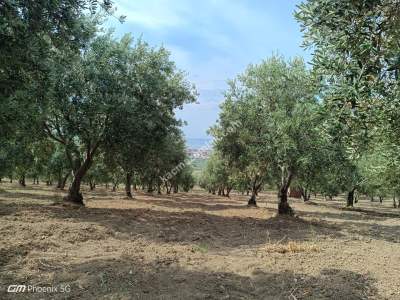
x=194, y=246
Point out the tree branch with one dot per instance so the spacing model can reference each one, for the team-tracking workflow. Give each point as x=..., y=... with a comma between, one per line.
x=47, y=130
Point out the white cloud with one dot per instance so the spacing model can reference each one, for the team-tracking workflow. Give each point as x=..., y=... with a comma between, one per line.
x=202, y=18
x=212, y=40
x=152, y=14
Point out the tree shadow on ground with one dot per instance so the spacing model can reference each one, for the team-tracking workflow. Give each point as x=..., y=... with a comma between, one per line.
x=371, y=213
x=339, y=215
x=353, y=224
x=202, y=227
x=130, y=278
x=29, y=196
x=388, y=233
x=384, y=212
x=187, y=227
x=102, y=194
x=7, y=255
x=207, y=202
x=185, y=204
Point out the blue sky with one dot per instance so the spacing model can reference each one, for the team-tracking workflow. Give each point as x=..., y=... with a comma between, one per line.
x=213, y=41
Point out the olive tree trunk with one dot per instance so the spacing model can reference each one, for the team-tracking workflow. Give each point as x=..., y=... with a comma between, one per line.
x=305, y=194
x=283, y=204
x=254, y=192
x=228, y=191
x=64, y=181
x=22, y=180
x=74, y=192
x=128, y=184
x=350, y=198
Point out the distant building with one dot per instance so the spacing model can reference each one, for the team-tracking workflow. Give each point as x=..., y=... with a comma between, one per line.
x=199, y=153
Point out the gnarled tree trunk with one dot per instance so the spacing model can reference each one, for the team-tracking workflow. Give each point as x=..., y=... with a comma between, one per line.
x=254, y=192
x=252, y=201
x=22, y=180
x=74, y=195
x=64, y=181
x=59, y=179
x=350, y=198
x=159, y=188
x=167, y=187
x=283, y=204
x=305, y=194
x=128, y=184
x=92, y=185
x=228, y=191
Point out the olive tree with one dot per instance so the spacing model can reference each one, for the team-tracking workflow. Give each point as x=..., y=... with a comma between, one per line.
x=90, y=91
x=276, y=105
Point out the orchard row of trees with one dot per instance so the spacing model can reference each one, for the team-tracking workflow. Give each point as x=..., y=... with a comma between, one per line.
x=330, y=129
x=79, y=105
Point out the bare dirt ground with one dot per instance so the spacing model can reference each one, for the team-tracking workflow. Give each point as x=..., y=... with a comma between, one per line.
x=195, y=246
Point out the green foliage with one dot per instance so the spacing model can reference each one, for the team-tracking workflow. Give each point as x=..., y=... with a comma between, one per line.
x=31, y=33
x=216, y=176
x=356, y=54
x=144, y=125
x=116, y=98
x=379, y=168
x=84, y=101
x=167, y=164
x=78, y=101
x=275, y=106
